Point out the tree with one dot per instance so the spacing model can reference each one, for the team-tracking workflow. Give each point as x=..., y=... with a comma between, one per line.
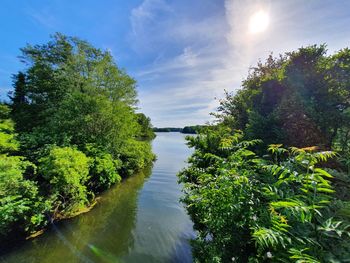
x=74, y=131
x=146, y=132
x=298, y=99
x=251, y=199
x=71, y=87
x=74, y=94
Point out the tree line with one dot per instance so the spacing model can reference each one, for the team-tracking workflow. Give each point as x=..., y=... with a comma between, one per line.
x=269, y=181
x=187, y=129
x=70, y=131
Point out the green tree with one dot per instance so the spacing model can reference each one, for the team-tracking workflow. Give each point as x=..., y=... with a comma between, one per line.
x=146, y=132
x=73, y=94
x=74, y=117
x=252, y=200
x=298, y=99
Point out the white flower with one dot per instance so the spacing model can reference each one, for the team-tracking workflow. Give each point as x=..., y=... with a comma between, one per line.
x=233, y=259
x=269, y=254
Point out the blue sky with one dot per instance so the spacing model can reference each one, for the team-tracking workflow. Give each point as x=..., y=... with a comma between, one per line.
x=182, y=53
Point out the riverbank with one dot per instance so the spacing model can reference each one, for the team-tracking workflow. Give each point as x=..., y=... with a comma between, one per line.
x=139, y=220
x=60, y=217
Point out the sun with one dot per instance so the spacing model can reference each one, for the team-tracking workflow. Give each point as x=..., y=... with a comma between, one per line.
x=259, y=22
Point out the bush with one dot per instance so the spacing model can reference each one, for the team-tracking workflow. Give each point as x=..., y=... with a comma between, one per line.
x=252, y=209
x=103, y=169
x=22, y=209
x=8, y=142
x=66, y=172
x=135, y=155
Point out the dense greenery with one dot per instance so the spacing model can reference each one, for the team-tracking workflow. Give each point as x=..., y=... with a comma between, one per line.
x=299, y=99
x=22, y=209
x=65, y=171
x=251, y=209
x=254, y=196
x=146, y=127
x=70, y=131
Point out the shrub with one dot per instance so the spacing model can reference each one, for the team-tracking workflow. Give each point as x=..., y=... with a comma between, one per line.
x=135, y=155
x=66, y=172
x=252, y=209
x=22, y=209
x=8, y=142
x=103, y=169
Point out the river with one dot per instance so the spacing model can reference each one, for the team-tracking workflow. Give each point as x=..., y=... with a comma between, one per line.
x=139, y=220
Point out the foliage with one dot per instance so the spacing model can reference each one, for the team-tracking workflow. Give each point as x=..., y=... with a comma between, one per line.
x=192, y=129
x=298, y=99
x=248, y=208
x=66, y=171
x=135, y=155
x=73, y=116
x=251, y=199
x=103, y=169
x=8, y=142
x=167, y=129
x=146, y=132
x=22, y=209
x=73, y=94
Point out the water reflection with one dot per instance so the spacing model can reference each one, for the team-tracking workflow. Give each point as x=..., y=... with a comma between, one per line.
x=99, y=236
x=140, y=220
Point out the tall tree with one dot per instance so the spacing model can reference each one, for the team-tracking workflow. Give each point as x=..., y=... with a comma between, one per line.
x=298, y=99
x=73, y=93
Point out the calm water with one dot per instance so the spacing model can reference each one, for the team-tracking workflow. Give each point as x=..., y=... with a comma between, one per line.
x=140, y=220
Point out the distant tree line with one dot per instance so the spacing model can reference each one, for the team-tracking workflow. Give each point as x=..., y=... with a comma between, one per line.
x=70, y=131
x=167, y=129
x=187, y=129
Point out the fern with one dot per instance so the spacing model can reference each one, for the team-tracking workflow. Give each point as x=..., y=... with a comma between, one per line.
x=302, y=257
x=267, y=238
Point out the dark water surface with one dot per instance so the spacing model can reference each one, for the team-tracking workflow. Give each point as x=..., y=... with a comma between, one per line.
x=140, y=220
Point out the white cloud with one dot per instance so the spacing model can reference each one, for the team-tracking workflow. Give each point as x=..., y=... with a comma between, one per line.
x=192, y=79
x=187, y=59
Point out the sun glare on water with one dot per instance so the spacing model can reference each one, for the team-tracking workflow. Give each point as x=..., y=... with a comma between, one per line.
x=259, y=22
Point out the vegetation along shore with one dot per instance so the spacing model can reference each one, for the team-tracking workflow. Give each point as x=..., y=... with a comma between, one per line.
x=269, y=181
x=70, y=131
